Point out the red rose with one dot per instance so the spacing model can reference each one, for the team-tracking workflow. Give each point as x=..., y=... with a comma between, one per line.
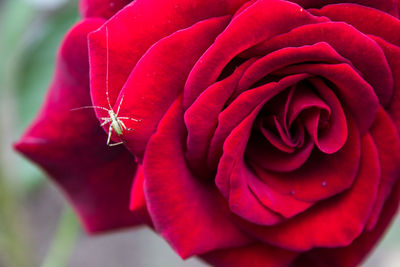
x=268, y=130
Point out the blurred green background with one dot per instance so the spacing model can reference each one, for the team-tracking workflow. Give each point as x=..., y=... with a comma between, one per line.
x=37, y=228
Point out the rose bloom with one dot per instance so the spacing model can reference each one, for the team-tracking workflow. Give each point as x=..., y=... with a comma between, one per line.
x=267, y=132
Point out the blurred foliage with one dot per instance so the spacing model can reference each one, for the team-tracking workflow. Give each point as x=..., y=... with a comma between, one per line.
x=30, y=33
x=64, y=240
x=30, y=39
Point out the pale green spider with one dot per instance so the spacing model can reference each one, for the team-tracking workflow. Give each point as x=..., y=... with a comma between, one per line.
x=116, y=123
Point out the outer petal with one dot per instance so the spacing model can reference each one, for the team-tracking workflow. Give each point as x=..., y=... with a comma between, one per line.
x=138, y=202
x=354, y=254
x=159, y=76
x=201, y=118
x=262, y=20
x=257, y=255
x=389, y=6
x=375, y=70
x=134, y=29
x=176, y=199
x=71, y=146
x=157, y=79
x=392, y=53
x=386, y=139
x=101, y=8
x=368, y=20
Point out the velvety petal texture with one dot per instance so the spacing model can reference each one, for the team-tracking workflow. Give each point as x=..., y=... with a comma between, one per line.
x=101, y=8
x=253, y=133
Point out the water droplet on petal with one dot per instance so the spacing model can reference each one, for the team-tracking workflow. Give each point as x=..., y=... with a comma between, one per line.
x=292, y=192
x=323, y=183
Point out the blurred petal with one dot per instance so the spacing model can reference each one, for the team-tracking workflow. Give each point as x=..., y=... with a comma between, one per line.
x=71, y=145
x=138, y=202
x=257, y=255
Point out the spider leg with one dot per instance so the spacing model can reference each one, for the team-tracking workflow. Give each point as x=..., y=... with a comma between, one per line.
x=122, y=124
x=120, y=103
x=116, y=144
x=127, y=118
x=89, y=107
x=105, y=121
x=110, y=129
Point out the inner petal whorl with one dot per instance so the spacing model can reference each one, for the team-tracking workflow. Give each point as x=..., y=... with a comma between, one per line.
x=289, y=125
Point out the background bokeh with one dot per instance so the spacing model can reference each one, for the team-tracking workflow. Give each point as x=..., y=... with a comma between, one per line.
x=37, y=227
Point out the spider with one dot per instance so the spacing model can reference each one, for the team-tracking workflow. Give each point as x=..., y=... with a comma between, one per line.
x=116, y=123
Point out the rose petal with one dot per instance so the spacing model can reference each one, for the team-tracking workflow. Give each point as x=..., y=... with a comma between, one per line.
x=355, y=253
x=240, y=108
x=134, y=29
x=158, y=78
x=393, y=55
x=262, y=20
x=101, y=8
x=334, y=136
x=275, y=60
x=257, y=255
x=263, y=155
x=348, y=85
x=244, y=203
x=367, y=21
x=375, y=70
x=71, y=146
x=322, y=175
x=201, y=118
x=386, y=139
x=177, y=199
x=388, y=6
x=241, y=199
x=314, y=228
x=233, y=179
x=284, y=205
x=138, y=200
